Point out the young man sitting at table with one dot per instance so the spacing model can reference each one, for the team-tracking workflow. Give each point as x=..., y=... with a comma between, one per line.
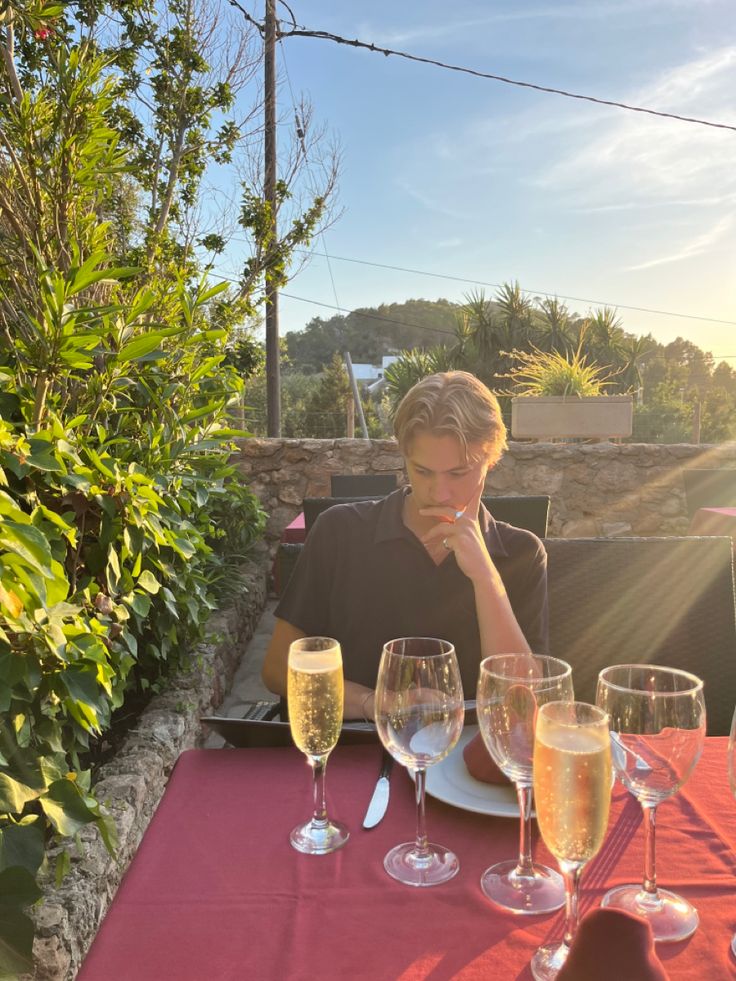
x=428, y=560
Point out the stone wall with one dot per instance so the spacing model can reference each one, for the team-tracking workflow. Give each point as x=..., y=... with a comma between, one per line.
x=132, y=784
x=597, y=489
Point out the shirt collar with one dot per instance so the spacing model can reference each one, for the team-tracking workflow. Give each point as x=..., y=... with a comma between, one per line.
x=390, y=525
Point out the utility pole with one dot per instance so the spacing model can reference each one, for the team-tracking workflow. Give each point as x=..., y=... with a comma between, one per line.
x=356, y=394
x=273, y=367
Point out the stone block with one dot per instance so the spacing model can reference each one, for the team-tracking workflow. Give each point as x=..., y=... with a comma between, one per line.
x=616, y=529
x=580, y=528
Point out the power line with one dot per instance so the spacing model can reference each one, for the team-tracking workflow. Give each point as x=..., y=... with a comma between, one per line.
x=302, y=31
x=559, y=296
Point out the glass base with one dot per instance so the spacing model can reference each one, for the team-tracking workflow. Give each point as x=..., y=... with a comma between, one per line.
x=671, y=917
x=733, y=945
x=414, y=868
x=543, y=891
x=548, y=960
x=319, y=837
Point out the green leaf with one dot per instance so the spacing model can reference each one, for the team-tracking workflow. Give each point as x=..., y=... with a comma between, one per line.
x=66, y=808
x=139, y=347
x=97, y=461
x=112, y=569
x=14, y=795
x=16, y=942
x=42, y=456
x=148, y=581
x=22, y=845
x=140, y=604
x=27, y=542
x=86, y=275
x=17, y=888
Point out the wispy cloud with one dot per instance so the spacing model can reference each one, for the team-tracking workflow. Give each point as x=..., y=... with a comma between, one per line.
x=450, y=30
x=696, y=246
x=623, y=159
x=428, y=202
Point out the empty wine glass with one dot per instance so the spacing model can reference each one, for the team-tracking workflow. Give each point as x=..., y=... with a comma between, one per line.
x=419, y=717
x=572, y=794
x=732, y=782
x=315, y=693
x=657, y=719
x=511, y=687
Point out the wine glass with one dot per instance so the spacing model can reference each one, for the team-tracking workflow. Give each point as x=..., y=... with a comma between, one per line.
x=419, y=718
x=315, y=694
x=732, y=782
x=657, y=719
x=511, y=687
x=572, y=794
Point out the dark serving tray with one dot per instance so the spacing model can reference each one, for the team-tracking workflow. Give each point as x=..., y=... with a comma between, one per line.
x=255, y=733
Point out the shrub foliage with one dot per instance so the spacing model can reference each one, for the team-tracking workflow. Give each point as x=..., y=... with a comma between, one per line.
x=120, y=516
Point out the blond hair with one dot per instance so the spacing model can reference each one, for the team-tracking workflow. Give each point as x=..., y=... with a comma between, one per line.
x=452, y=403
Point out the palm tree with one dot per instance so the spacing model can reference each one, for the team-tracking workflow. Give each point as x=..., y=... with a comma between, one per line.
x=635, y=351
x=554, y=328
x=604, y=337
x=516, y=317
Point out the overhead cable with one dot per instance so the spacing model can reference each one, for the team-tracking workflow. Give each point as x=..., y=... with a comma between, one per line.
x=301, y=31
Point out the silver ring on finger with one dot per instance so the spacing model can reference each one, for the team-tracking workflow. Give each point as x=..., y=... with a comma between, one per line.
x=446, y=544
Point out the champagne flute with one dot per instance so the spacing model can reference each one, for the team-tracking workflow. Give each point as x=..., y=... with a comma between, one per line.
x=572, y=793
x=657, y=718
x=511, y=687
x=419, y=718
x=732, y=782
x=315, y=693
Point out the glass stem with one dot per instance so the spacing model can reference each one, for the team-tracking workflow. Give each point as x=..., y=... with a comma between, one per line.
x=650, y=875
x=421, y=841
x=525, y=795
x=571, y=872
x=319, y=766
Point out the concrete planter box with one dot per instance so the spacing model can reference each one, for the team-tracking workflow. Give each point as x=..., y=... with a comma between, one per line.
x=553, y=416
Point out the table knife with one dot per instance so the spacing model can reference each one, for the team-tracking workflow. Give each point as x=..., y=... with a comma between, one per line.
x=379, y=800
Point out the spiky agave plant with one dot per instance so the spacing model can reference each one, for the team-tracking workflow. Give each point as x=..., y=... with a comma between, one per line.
x=554, y=373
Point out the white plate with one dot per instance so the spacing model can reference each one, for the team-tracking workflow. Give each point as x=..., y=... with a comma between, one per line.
x=449, y=781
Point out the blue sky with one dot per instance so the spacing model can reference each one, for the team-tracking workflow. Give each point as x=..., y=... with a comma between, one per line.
x=470, y=178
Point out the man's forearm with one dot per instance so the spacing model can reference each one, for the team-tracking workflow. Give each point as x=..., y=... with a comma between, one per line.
x=359, y=701
x=498, y=627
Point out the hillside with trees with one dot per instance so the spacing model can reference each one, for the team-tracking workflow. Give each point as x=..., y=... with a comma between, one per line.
x=672, y=383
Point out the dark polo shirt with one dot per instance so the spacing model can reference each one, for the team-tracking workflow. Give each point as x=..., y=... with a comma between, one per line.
x=364, y=578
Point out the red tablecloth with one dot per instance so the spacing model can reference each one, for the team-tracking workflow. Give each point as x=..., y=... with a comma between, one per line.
x=713, y=521
x=215, y=891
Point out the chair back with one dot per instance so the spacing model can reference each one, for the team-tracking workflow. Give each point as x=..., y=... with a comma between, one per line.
x=709, y=489
x=286, y=559
x=361, y=484
x=531, y=513
x=637, y=600
x=646, y=600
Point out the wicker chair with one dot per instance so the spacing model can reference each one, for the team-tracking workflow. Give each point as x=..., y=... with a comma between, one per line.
x=709, y=489
x=646, y=600
x=531, y=513
x=653, y=600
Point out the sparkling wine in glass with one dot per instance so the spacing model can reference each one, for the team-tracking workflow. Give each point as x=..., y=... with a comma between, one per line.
x=572, y=794
x=657, y=719
x=511, y=688
x=315, y=693
x=419, y=718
